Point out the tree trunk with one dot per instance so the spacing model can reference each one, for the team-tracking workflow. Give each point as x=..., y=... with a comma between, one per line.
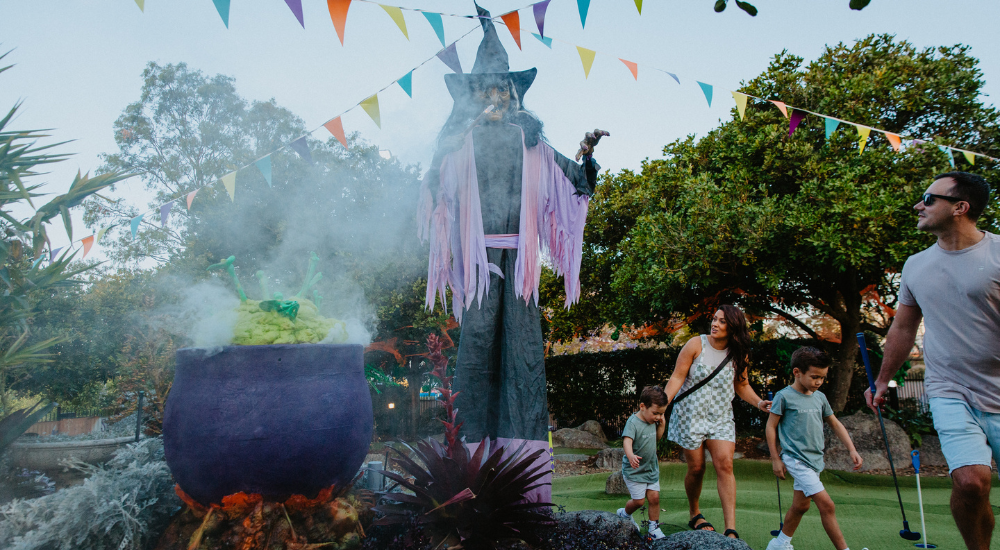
x=844, y=360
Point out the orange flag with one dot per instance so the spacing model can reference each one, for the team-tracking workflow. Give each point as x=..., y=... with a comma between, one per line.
x=336, y=127
x=893, y=140
x=338, y=12
x=632, y=67
x=513, y=22
x=87, y=243
x=781, y=107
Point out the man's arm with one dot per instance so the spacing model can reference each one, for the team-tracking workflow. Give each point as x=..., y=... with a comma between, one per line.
x=845, y=438
x=771, y=433
x=898, y=343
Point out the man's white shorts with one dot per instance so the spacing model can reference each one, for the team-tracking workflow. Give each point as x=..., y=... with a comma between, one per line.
x=806, y=479
x=637, y=490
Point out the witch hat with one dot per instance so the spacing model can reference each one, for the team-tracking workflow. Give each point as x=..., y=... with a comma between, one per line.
x=491, y=65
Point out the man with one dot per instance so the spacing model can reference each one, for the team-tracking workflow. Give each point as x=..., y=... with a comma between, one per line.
x=955, y=287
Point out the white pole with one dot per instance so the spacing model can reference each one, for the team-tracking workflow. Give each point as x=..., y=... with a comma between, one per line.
x=920, y=501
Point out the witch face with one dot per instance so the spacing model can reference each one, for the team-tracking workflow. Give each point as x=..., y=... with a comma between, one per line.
x=498, y=93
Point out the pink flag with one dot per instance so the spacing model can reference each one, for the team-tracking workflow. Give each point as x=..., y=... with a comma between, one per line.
x=87, y=243
x=336, y=127
x=191, y=197
x=781, y=107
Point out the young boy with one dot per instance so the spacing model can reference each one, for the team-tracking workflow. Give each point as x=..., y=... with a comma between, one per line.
x=796, y=418
x=640, y=467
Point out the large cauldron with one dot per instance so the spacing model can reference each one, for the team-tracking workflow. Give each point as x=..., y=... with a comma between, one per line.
x=275, y=420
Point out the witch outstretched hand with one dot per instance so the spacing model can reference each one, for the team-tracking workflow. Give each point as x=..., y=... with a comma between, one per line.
x=589, y=142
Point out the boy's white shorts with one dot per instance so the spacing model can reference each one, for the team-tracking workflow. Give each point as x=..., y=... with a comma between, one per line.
x=806, y=479
x=637, y=490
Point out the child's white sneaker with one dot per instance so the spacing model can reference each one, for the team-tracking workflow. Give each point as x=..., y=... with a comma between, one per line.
x=775, y=544
x=623, y=515
x=655, y=532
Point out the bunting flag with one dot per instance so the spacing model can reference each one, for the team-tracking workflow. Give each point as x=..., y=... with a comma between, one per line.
x=863, y=132
x=406, y=83
x=947, y=151
x=300, y=146
x=87, y=242
x=190, y=198
x=632, y=67
x=37, y=261
x=229, y=182
x=638, y=6
x=370, y=106
x=338, y=13
x=707, y=89
x=793, y=121
x=54, y=253
x=543, y=39
x=970, y=157
x=435, y=20
x=831, y=126
x=100, y=234
x=336, y=127
x=165, y=213
x=449, y=56
x=135, y=224
x=741, y=103
x=296, y=7
x=397, y=15
x=539, y=11
x=587, y=57
x=513, y=22
x=584, y=6
x=264, y=165
x=781, y=107
x=893, y=140
x=673, y=76
x=223, y=8
x=141, y=4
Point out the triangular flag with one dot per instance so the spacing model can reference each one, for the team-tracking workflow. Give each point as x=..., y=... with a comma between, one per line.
x=513, y=22
x=338, y=13
x=397, y=15
x=336, y=127
x=543, y=39
x=223, y=7
x=165, y=213
x=673, y=76
x=632, y=67
x=100, y=234
x=638, y=6
x=863, y=132
x=584, y=6
x=296, y=7
x=54, y=253
x=830, y=125
x=781, y=107
x=539, y=10
x=970, y=157
x=587, y=57
x=449, y=56
x=190, y=198
x=707, y=89
x=794, y=119
x=406, y=83
x=741, y=103
x=893, y=140
x=37, y=261
x=370, y=106
x=947, y=151
x=229, y=182
x=264, y=165
x=87, y=242
x=435, y=20
x=301, y=147
x=135, y=224
x=141, y=4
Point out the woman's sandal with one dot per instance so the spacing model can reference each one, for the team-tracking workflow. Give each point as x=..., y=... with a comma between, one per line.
x=731, y=532
x=703, y=526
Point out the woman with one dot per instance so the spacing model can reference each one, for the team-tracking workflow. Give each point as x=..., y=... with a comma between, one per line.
x=704, y=420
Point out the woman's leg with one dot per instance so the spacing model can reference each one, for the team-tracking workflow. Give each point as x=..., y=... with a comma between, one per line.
x=692, y=480
x=722, y=460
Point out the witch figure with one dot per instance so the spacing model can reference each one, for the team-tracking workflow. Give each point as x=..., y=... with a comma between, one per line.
x=496, y=200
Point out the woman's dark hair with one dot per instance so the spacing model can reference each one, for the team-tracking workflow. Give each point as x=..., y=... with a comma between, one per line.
x=653, y=395
x=808, y=356
x=971, y=188
x=739, y=338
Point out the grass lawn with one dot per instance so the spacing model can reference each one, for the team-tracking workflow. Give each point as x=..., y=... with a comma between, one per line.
x=866, y=506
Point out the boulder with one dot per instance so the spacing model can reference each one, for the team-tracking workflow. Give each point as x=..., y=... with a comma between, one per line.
x=593, y=427
x=930, y=452
x=609, y=459
x=615, y=485
x=620, y=531
x=576, y=439
x=867, y=437
x=699, y=540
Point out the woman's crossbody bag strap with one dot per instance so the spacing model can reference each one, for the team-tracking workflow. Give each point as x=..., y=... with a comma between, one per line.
x=701, y=382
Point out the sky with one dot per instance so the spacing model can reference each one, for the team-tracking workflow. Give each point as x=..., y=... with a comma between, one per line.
x=78, y=64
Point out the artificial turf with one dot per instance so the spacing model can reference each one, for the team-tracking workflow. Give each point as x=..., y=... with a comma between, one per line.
x=867, y=508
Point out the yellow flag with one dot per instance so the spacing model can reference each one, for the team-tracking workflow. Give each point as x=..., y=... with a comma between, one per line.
x=397, y=15
x=370, y=106
x=587, y=57
x=741, y=103
x=142, y=8
x=863, y=132
x=971, y=157
x=100, y=234
x=229, y=181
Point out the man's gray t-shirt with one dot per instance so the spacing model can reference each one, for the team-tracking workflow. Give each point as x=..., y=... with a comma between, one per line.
x=643, y=444
x=800, y=431
x=959, y=295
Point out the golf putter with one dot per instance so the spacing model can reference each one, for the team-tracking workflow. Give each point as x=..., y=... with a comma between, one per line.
x=777, y=482
x=905, y=531
x=915, y=456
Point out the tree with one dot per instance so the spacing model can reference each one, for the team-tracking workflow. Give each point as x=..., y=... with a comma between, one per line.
x=789, y=225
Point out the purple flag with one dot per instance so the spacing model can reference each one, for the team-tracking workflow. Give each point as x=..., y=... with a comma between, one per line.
x=53, y=254
x=165, y=213
x=672, y=75
x=539, y=10
x=296, y=7
x=449, y=56
x=794, y=120
x=302, y=148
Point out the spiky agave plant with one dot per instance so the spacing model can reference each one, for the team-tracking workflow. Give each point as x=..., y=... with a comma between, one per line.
x=474, y=500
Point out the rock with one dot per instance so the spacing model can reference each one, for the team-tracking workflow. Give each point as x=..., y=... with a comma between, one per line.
x=576, y=439
x=593, y=427
x=570, y=458
x=763, y=448
x=620, y=531
x=867, y=437
x=615, y=485
x=930, y=452
x=609, y=459
x=699, y=540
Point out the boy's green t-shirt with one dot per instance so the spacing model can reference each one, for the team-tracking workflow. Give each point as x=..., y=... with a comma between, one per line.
x=800, y=430
x=643, y=444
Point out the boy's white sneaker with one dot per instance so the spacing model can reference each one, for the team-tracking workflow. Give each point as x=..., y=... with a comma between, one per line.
x=623, y=515
x=775, y=544
x=657, y=534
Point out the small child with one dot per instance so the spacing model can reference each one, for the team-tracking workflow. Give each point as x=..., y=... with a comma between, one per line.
x=797, y=416
x=640, y=467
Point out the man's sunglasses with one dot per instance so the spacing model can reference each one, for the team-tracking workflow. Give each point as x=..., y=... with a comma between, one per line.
x=929, y=198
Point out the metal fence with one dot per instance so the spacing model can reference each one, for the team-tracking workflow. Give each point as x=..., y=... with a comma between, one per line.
x=62, y=413
x=910, y=393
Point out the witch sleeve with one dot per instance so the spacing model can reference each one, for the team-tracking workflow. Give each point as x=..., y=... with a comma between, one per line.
x=583, y=176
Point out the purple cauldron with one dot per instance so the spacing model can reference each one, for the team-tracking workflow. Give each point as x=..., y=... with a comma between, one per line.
x=275, y=420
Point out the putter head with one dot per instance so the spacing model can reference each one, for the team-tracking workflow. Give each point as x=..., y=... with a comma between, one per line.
x=774, y=532
x=909, y=535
